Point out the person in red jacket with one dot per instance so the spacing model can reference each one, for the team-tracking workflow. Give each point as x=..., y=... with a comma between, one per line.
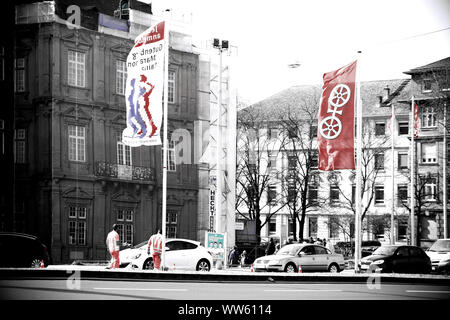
x=155, y=245
x=112, y=243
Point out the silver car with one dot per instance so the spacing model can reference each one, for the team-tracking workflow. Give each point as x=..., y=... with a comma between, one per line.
x=310, y=257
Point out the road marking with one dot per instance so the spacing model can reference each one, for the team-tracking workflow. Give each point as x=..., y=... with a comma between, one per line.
x=426, y=291
x=304, y=290
x=140, y=289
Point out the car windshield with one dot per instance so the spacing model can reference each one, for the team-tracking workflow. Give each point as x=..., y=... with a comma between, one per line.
x=290, y=250
x=140, y=245
x=384, y=251
x=441, y=246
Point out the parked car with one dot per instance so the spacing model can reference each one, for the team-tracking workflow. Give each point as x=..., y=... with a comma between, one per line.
x=19, y=250
x=180, y=254
x=439, y=254
x=310, y=257
x=369, y=246
x=130, y=253
x=398, y=259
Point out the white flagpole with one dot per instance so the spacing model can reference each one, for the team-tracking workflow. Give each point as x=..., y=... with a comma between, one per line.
x=393, y=170
x=165, y=143
x=413, y=231
x=358, y=165
x=444, y=173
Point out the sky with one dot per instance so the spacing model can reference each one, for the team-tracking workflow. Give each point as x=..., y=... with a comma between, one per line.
x=321, y=35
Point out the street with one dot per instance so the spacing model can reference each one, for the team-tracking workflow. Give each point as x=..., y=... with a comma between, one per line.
x=57, y=289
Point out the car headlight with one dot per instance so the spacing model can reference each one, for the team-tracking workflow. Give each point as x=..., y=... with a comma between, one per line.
x=135, y=256
x=378, y=262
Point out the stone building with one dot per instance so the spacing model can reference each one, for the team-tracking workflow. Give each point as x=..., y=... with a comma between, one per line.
x=74, y=177
x=330, y=195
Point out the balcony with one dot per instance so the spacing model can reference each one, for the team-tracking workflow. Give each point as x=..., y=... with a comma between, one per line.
x=123, y=172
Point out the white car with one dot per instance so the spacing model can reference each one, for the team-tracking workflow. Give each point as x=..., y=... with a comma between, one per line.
x=180, y=254
x=439, y=254
x=132, y=253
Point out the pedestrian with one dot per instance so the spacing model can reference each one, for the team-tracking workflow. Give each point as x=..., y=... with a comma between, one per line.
x=330, y=246
x=318, y=241
x=311, y=240
x=243, y=257
x=234, y=258
x=270, y=247
x=155, y=245
x=112, y=243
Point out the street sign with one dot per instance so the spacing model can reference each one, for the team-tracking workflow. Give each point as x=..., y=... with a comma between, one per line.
x=238, y=225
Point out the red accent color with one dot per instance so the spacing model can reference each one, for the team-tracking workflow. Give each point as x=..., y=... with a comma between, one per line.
x=336, y=148
x=156, y=34
x=416, y=121
x=147, y=103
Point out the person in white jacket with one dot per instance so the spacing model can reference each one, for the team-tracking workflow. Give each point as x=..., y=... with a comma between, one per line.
x=112, y=243
x=155, y=245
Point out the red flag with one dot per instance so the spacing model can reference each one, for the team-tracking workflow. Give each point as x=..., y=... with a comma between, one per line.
x=336, y=120
x=416, y=121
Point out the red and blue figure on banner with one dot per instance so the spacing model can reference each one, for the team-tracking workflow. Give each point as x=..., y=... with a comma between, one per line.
x=335, y=136
x=145, y=69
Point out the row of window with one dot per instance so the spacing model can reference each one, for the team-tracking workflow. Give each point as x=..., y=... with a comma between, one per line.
x=77, y=148
x=76, y=74
x=429, y=190
x=428, y=155
x=334, y=227
x=428, y=120
x=77, y=225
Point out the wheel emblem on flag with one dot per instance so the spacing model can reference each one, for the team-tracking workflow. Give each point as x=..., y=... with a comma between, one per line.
x=330, y=127
x=339, y=95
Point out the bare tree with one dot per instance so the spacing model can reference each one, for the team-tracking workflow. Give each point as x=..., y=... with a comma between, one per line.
x=300, y=175
x=255, y=176
x=374, y=145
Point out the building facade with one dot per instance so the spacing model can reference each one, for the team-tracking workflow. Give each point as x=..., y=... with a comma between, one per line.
x=74, y=178
x=329, y=197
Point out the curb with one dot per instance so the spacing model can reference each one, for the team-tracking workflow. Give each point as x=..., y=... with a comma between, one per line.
x=126, y=275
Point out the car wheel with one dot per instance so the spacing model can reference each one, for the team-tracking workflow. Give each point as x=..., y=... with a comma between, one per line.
x=148, y=264
x=203, y=265
x=290, y=268
x=35, y=263
x=333, y=268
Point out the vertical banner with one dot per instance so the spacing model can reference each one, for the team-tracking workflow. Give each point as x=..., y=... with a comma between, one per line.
x=144, y=88
x=212, y=203
x=416, y=121
x=336, y=120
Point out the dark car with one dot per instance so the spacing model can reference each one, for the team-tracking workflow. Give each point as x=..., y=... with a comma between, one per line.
x=21, y=250
x=398, y=259
x=368, y=247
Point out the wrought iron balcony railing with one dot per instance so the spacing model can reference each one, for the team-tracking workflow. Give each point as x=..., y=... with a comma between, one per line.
x=125, y=172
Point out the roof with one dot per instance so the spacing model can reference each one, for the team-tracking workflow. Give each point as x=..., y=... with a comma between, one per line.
x=291, y=100
x=437, y=65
